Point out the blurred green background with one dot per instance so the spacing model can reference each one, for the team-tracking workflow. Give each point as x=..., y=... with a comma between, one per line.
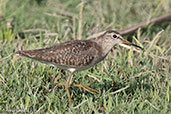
x=128, y=82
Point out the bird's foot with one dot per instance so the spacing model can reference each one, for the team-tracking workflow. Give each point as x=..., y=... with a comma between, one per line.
x=67, y=85
x=93, y=91
x=67, y=90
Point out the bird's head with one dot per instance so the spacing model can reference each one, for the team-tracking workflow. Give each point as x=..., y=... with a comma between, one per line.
x=111, y=38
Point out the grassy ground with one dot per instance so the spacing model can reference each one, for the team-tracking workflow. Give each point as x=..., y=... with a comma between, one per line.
x=128, y=82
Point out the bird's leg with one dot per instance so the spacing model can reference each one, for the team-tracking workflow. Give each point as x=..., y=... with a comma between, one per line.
x=93, y=91
x=67, y=85
x=86, y=88
x=56, y=80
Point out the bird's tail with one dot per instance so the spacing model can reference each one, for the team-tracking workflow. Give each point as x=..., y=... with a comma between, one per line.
x=29, y=54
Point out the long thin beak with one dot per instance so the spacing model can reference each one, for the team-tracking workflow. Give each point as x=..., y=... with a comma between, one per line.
x=128, y=44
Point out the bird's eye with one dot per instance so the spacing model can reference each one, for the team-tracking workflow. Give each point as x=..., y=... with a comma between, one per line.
x=114, y=36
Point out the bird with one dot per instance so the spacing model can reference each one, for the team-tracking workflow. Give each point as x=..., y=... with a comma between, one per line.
x=78, y=55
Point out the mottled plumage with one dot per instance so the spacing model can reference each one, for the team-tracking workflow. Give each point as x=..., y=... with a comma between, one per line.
x=78, y=54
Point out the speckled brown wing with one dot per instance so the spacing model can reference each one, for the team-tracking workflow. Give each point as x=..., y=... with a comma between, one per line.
x=79, y=54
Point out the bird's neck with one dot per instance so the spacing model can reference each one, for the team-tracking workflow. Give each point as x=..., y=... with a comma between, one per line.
x=105, y=45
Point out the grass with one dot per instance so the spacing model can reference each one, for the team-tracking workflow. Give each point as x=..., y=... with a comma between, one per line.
x=128, y=82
